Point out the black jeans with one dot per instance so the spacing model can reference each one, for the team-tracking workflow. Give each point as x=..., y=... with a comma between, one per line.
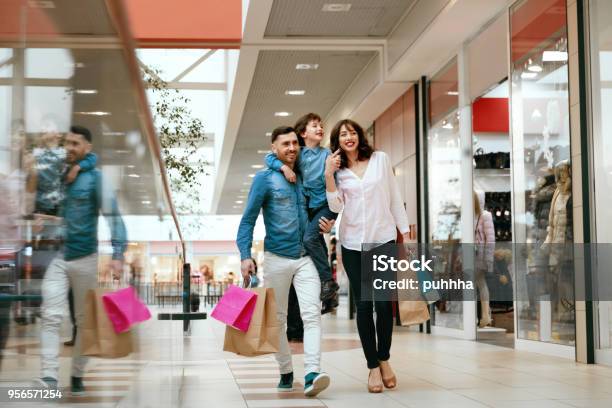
x=368, y=332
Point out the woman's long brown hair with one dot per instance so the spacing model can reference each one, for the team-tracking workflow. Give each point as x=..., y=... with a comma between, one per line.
x=364, y=150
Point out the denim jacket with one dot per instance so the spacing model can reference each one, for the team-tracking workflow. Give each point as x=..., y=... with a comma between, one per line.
x=311, y=164
x=284, y=212
x=85, y=199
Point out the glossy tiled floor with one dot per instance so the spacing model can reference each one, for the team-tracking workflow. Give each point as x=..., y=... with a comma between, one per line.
x=432, y=372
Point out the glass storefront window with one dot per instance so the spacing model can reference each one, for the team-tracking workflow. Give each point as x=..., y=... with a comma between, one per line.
x=444, y=170
x=542, y=170
x=600, y=12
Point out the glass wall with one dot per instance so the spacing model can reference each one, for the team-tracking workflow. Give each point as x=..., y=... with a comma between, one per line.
x=444, y=183
x=542, y=171
x=600, y=33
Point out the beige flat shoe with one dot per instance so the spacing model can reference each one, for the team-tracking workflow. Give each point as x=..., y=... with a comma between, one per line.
x=390, y=381
x=375, y=385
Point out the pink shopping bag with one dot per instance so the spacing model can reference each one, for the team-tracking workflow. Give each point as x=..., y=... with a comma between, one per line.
x=236, y=307
x=124, y=309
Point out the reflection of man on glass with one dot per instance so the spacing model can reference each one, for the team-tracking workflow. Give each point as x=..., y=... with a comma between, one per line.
x=77, y=265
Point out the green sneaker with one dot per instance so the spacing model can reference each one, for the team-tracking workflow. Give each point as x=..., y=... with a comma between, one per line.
x=314, y=383
x=76, y=386
x=286, y=383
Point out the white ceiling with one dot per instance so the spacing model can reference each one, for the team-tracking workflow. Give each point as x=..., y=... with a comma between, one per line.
x=364, y=18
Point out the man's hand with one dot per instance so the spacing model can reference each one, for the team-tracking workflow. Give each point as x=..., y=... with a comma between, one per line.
x=288, y=173
x=116, y=267
x=325, y=225
x=73, y=173
x=332, y=163
x=246, y=267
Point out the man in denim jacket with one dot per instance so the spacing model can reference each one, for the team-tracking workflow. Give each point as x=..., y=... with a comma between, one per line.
x=76, y=266
x=285, y=218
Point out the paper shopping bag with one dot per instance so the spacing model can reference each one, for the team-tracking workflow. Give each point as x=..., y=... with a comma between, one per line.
x=124, y=309
x=262, y=337
x=98, y=337
x=236, y=308
x=413, y=312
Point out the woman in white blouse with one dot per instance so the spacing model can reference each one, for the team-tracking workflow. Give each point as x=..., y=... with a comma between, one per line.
x=361, y=184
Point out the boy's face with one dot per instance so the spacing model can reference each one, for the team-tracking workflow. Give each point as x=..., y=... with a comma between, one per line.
x=314, y=131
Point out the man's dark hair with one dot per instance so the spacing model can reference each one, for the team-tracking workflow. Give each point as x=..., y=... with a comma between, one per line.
x=302, y=123
x=83, y=131
x=281, y=130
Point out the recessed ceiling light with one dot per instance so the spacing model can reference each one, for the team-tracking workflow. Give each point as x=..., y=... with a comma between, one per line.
x=452, y=93
x=257, y=166
x=94, y=113
x=554, y=56
x=239, y=201
x=244, y=190
x=335, y=7
x=236, y=206
x=113, y=133
x=307, y=66
x=535, y=68
x=121, y=151
x=295, y=92
x=130, y=166
x=145, y=202
x=86, y=91
x=529, y=75
x=263, y=151
x=283, y=114
x=134, y=175
x=251, y=175
x=43, y=4
x=268, y=134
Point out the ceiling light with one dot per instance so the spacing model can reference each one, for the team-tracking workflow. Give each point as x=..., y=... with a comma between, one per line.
x=535, y=68
x=295, y=92
x=335, y=7
x=130, y=166
x=145, y=202
x=452, y=93
x=241, y=196
x=134, y=175
x=263, y=151
x=244, y=190
x=86, y=91
x=121, y=151
x=283, y=114
x=246, y=183
x=236, y=206
x=447, y=126
x=94, y=113
x=239, y=201
x=529, y=75
x=268, y=134
x=113, y=133
x=257, y=166
x=554, y=56
x=42, y=4
x=307, y=66
x=251, y=175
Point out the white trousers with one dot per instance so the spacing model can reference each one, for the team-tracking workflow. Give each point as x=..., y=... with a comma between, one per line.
x=279, y=272
x=81, y=275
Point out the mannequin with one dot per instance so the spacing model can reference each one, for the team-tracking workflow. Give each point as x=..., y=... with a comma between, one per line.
x=484, y=240
x=559, y=235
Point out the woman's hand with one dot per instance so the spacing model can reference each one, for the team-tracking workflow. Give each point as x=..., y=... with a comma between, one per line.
x=332, y=163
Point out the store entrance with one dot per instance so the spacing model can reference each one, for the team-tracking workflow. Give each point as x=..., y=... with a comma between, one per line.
x=493, y=217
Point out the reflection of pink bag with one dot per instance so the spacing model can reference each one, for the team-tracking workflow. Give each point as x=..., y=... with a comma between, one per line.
x=236, y=308
x=124, y=309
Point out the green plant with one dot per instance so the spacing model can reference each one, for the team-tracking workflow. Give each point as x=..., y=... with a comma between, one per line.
x=180, y=137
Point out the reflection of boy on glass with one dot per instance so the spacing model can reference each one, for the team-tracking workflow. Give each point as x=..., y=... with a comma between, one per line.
x=311, y=164
x=51, y=170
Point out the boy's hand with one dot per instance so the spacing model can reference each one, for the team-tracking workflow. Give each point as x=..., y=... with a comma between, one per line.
x=73, y=173
x=289, y=174
x=325, y=225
